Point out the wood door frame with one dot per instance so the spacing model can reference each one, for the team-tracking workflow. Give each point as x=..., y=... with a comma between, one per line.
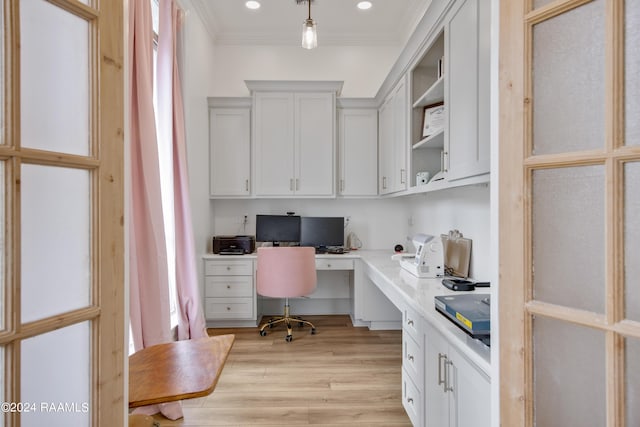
x=106, y=163
x=516, y=165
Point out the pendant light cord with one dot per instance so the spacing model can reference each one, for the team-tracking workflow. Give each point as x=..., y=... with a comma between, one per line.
x=309, y=9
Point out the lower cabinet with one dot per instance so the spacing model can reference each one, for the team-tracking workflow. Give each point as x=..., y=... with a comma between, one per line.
x=456, y=392
x=413, y=365
x=229, y=293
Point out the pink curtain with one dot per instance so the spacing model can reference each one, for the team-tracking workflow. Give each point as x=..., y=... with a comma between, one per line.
x=191, y=323
x=149, y=287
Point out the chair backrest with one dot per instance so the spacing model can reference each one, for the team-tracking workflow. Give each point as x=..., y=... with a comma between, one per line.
x=285, y=272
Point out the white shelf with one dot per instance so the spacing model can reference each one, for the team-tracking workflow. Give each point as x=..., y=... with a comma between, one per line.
x=433, y=95
x=432, y=141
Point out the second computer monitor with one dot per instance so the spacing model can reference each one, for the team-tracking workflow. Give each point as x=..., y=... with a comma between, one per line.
x=321, y=232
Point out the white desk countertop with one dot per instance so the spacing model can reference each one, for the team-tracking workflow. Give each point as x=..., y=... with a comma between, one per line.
x=403, y=288
x=419, y=294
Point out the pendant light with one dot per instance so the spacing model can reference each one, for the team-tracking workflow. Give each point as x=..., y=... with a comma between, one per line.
x=309, y=32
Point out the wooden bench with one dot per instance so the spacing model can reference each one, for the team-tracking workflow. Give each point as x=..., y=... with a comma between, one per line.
x=177, y=370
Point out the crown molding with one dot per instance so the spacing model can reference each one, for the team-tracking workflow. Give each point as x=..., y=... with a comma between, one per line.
x=295, y=85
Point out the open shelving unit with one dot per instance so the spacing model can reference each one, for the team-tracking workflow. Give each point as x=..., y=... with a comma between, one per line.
x=428, y=78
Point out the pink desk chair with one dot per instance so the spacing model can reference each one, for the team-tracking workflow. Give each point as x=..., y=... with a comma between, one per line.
x=286, y=272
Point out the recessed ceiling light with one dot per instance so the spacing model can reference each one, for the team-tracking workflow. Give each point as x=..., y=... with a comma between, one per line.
x=252, y=4
x=364, y=5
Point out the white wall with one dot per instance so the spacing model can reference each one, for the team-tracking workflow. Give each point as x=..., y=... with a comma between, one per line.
x=466, y=209
x=382, y=230
x=362, y=68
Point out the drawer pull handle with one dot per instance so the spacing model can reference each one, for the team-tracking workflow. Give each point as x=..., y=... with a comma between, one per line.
x=329, y=266
x=441, y=381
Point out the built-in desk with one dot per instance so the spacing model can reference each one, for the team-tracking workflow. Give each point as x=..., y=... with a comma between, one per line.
x=442, y=366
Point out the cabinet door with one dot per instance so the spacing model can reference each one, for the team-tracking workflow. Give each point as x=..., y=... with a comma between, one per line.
x=468, y=44
x=358, y=142
x=385, y=156
x=314, y=144
x=273, y=144
x=399, y=141
x=471, y=396
x=229, y=151
x=436, y=407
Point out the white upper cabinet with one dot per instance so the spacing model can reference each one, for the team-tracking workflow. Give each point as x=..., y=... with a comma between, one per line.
x=273, y=141
x=294, y=141
x=358, y=148
x=468, y=56
x=315, y=144
x=393, y=141
x=229, y=147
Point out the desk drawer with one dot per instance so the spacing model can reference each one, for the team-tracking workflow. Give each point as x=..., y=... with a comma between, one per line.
x=412, y=323
x=228, y=286
x=229, y=308
x=334, y=264
x=412, y=357
x=411, y=399
x=228, y=268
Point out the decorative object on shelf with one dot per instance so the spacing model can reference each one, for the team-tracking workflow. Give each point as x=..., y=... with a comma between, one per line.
x=309, y=29
x=433, y=120
x=398, y=248
x=422, y=178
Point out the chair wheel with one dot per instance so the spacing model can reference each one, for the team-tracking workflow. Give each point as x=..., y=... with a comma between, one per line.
x=313, y=331
x=263, y=333
x=288, y=338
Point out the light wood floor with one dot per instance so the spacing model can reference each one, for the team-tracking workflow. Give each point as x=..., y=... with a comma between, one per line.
x=340, y=376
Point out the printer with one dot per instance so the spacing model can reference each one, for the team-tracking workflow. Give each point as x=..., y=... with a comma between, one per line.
x=234, y=245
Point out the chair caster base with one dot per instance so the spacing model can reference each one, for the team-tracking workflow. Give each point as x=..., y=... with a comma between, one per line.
x=263, y=333
x=313, y=331
x=288, y=338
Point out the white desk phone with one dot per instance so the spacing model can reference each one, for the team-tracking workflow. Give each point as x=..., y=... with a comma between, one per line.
x=428, y=261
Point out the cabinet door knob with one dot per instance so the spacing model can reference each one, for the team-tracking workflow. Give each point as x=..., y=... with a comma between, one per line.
x=410, y=322
x=410, y=400
x=410, y=357
x=228, y=268
x=328, y=265
x=228, y=308
x=228, y=286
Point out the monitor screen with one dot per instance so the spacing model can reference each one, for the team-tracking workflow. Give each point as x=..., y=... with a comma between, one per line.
x=322, y=231
x=277, y=228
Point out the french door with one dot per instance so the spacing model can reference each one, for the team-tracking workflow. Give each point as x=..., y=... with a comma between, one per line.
x=61, y=185
x=570, y=213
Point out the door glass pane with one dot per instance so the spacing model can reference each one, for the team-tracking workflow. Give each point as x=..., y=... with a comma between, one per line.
x=56, y=377
x=569, y=374
x=56, y=209
x=2, y=244
x=568, y=237
x=568, y=81
x=2, y=96
x=632, y=240
x=632, y=381
x=54, y=78
x=632, y=72
x=2, y=382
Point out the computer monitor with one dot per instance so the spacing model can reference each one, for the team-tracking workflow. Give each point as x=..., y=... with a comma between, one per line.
x=322, y=232
x=277, y=228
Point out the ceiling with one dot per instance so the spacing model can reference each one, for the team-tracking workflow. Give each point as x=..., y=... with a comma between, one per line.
x=340, y=22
